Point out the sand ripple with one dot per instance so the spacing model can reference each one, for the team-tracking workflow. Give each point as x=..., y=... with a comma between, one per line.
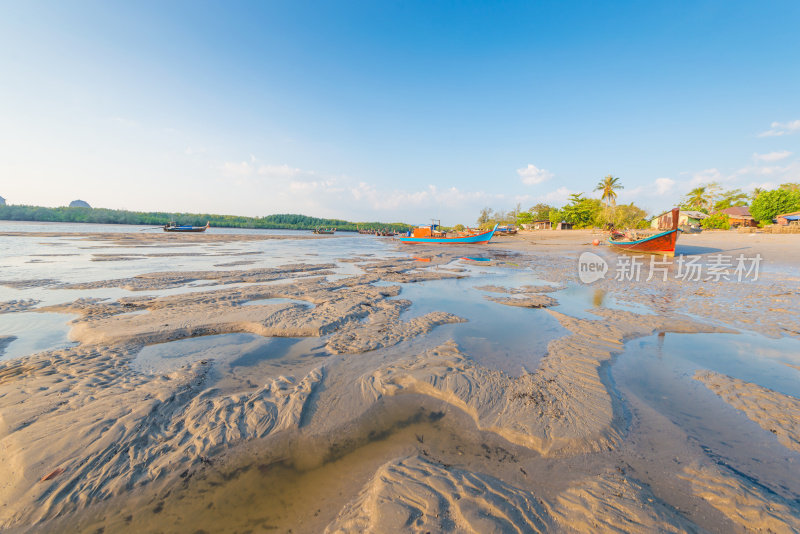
x=417, y=495
x=564, y=407
x=77, y=437
x=17, y=305
x=750, y=506
x=773, y=411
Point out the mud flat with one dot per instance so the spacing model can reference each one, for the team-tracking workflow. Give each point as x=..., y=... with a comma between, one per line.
x=359, y=413
x=773, y=411
x=17, y=305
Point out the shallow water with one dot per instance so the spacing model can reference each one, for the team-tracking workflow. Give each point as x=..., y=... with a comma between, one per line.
x=658, y=370
x=298, y=485
x=35, y=332
x=494, y=334
x=511, y=339
x=268, y=302
x=70, y=260
x=233, y=350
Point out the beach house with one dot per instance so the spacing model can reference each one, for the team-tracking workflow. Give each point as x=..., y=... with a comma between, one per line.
x=739, y=216
x=685, y=218
x=786, y=218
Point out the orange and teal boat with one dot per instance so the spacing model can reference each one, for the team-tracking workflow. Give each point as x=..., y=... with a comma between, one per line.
x=662, y=243
x=429, y=234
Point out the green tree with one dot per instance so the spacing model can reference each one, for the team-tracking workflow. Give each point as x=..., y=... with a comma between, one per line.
x=719, y=221
x=524, y=217
x=791, y=186
x=484, y=217
x=608, y=185
x=734, y=197
x=582, y=212
x=696, y=199
x=629, y=216
x=540, y=212
x=555, y=216
x=772, y=203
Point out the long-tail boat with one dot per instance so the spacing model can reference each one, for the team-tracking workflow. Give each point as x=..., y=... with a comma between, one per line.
x=429, y=234
x=662, y=243
x=174, y=227
x=324, y=230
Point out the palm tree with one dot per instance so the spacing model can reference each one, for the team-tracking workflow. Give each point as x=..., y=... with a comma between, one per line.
x=756, y=191
x=608, y=186
x=698, y=198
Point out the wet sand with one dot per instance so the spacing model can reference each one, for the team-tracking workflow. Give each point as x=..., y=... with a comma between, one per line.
x=370, y=416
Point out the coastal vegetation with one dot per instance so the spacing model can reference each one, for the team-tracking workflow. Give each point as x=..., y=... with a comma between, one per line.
x=717, y=221
x=711, y=198
x=581, y=211
x=768, y=204
x=109, y=216
x=587, y=212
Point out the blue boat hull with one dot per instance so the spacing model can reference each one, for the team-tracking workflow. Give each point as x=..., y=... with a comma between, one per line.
x=472, y=239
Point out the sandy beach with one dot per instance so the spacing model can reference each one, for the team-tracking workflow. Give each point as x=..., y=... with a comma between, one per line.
x=232, y=382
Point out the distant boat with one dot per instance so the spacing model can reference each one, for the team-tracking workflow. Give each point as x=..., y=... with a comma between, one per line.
x=172, y=226
x=324, y=230
x=662, y=243
x=429, y=234
x=507, y=229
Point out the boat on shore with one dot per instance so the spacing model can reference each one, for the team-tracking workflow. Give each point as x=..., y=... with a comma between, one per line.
x=506, y=229
x=662, y=243
x=430, y=234
x=172, y=226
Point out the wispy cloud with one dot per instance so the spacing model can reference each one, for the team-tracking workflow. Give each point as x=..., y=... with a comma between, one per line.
x=532, y=175
x=706, y=176
x=664, y=185
x=287, y=188
x=240, y=169
x=282, y=171
x=772, y=156
x=781, y=128
x=558, y=196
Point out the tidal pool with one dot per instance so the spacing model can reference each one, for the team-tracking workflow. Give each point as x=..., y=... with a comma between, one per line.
x=34, y=332
x=658, y=372
x=234, y=350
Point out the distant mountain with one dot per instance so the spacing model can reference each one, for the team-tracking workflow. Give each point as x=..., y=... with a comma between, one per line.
x=79, y=204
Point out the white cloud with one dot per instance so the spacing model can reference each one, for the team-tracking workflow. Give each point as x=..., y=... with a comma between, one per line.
x=532, y=175
x=763, y=185
x=281, y=171
x=664, y=185
x=558, y=196
x=781, y=128
x=283, y=188
x=237, y=170
x=243, y=169
x=706, y=176
x=772, y=156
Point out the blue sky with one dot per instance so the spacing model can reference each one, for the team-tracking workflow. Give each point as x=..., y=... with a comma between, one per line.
x=392, y=110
